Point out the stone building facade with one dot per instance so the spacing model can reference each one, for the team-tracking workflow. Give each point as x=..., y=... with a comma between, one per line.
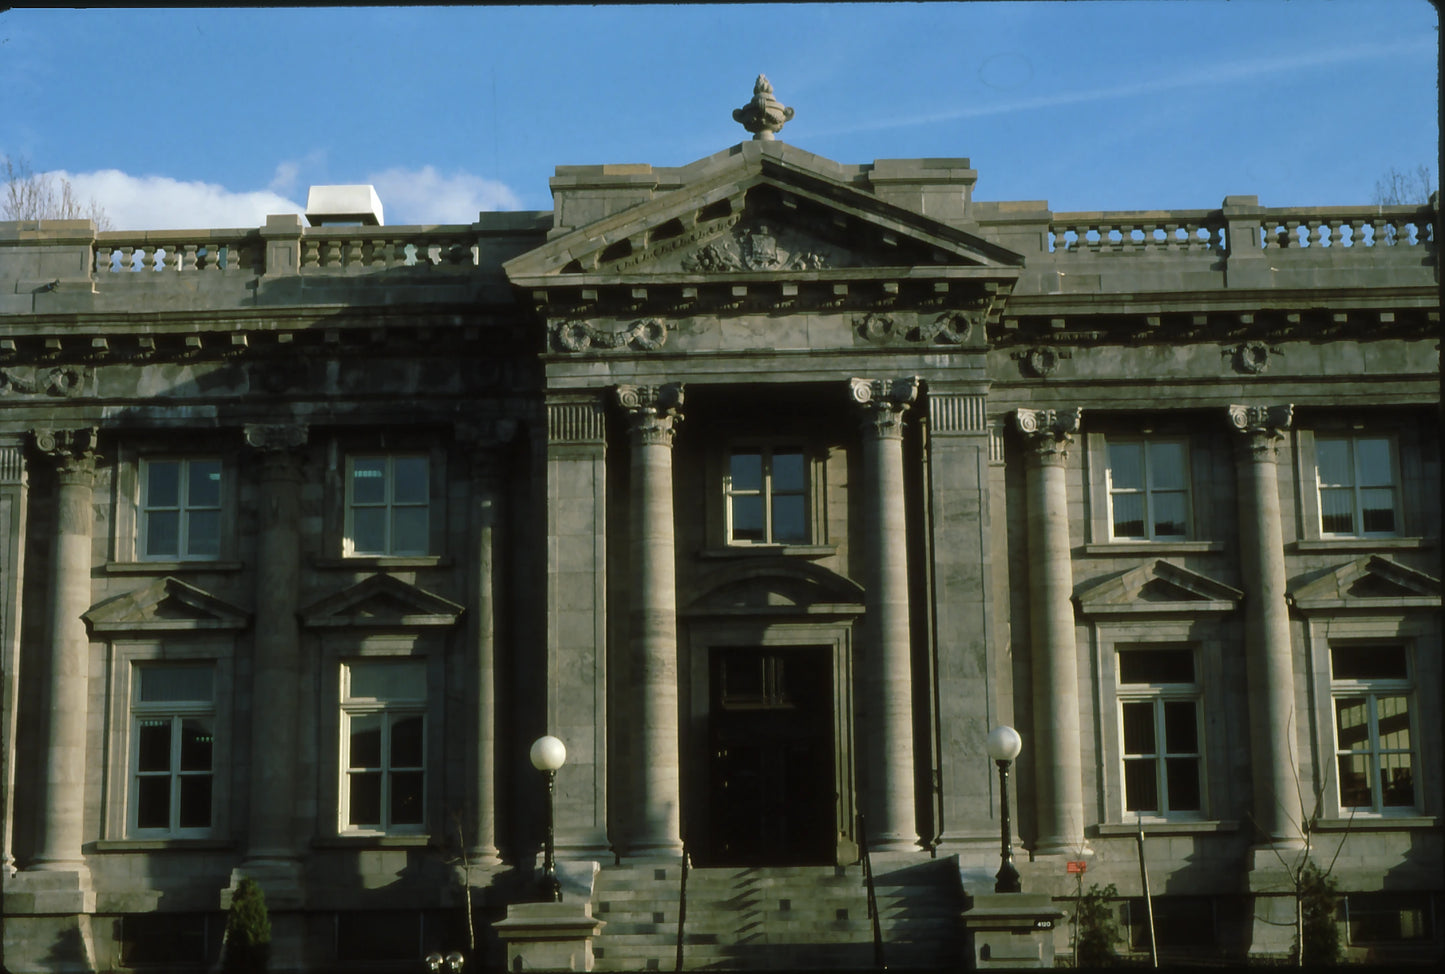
x=769, y=485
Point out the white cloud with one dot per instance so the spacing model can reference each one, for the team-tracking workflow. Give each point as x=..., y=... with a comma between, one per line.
x=163, y=203
x=419, y=196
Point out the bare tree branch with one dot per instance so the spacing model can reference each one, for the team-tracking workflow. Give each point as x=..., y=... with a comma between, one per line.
x=44, y=196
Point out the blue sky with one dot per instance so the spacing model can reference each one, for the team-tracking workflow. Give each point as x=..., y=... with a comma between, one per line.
x=207, y=118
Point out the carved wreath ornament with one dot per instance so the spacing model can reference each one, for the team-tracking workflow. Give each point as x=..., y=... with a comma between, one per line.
x=950, y=328
x=645, y=334
x=65, y=382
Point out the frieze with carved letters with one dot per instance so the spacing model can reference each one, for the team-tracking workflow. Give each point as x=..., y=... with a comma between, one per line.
x=644, y=334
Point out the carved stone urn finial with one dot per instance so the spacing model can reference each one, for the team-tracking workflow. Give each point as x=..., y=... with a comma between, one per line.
x=764, y=115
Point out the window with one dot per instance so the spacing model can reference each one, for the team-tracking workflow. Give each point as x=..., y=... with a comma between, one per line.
x=1357, y=484
x=1375, y=761
x=1388, y=918
x=189, y=940
x=1148, y=483
x=767, y=497
x=383, y=740
x=387, y=505
x=1159, y=727
x=180, y=509
x=1181, y=924
x=173, y=716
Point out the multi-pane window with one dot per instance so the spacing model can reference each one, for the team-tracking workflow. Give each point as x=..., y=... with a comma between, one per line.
x=383, y=743
x=180, y=509
x=1159, y=730
x=1359, y=494
x=1388, y=918
x=767, y=496
x=1149, y=489
x=388, y=505
x=173, y=714
x=1374, y=751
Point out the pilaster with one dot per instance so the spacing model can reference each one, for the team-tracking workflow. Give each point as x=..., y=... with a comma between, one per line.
x=1269, y=664
x=14, y=488
x=963, y=623
x=1057, y=760
x=271, y=854
x=576, y=619
x=653, y=413
x=885, y=712
x=484, y=519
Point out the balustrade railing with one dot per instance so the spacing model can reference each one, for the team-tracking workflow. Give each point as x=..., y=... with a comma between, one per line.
x=1283, y=228
x=1171, y=232
x=336, y=248
x=120, y=252
x=1137, y=232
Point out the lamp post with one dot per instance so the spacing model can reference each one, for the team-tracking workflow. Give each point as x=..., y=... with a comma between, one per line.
x=1003, y=746
x=549, y=754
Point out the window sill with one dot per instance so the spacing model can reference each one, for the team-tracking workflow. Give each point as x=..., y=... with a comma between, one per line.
x=1168, y=827
x=771, y=550
x=371, y=840
x=384, y=561
x=1364, y=544
x=1152, y=547
x=1377, y=823
x=170, y=567
x=167, y=845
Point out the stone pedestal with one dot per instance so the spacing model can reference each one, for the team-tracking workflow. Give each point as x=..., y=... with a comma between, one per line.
x=1011, y=930
x=549, y=936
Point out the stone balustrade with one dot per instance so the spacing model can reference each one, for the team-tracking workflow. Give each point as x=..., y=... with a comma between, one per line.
x=338, y=248
x=1174, y=232
x=179, y=250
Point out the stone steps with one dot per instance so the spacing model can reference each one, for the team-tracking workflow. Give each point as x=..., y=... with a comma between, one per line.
x=788, y=917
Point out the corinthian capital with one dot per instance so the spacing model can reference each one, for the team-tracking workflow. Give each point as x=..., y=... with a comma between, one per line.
x=883, y=402
x=72, y=451
x=653, y=412
x=1263, y=428
x=1048, y=432
x=272, y=438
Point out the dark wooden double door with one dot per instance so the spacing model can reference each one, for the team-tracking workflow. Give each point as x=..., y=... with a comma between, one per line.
x=771, y=784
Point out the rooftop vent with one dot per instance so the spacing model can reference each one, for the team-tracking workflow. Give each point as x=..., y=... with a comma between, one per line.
x=343, y=206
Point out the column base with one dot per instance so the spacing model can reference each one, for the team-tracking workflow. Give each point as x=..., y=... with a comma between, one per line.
x=49, y=890
x=1056, y=845
x=47, y=944
x=893, y=843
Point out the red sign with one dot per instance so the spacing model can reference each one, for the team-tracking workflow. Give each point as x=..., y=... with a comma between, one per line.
x=1076, y=866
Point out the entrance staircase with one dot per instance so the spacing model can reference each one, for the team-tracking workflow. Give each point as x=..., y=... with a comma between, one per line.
x=761, y=918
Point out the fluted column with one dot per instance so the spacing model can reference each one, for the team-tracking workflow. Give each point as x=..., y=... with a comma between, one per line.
x=13, y=491
x=62, y=819
x=653, y=414
x=276, y=671
x=1269, y=663
x=886, y=664
x=486, y=499
x=1058, y=764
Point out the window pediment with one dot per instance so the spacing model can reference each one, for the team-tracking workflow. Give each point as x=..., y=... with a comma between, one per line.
x=165, y=604
x=777, y=589
x=1369, y=582
x=381, y=601
x=1156, y=587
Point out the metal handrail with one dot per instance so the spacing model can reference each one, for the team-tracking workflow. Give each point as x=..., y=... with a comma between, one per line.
x=682, y=905
x=878, y=961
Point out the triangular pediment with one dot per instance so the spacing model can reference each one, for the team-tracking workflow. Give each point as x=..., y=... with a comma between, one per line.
x=166, y=604
x=776, y=587
x=381, y=602
x=766, y=211
x=1156, y=587
x=1370, y=582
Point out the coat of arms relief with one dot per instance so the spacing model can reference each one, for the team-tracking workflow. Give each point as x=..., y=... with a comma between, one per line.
x=755, y=247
